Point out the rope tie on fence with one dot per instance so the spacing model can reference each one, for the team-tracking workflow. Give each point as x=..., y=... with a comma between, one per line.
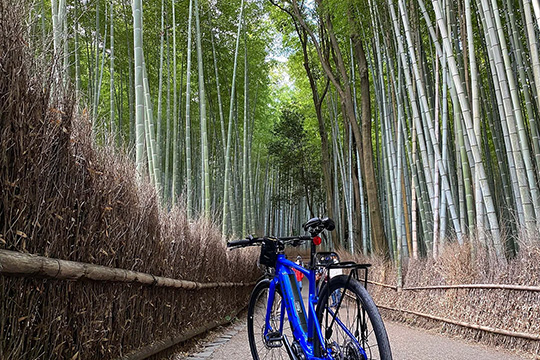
x=58, y=271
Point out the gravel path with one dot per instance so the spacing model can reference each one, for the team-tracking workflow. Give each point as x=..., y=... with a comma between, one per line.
x=407, y=344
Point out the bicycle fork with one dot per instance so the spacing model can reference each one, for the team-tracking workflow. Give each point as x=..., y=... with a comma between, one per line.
x=273, y=337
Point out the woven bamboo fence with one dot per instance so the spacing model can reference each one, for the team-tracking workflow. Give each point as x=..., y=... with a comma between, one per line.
x=14, y=263
x=457, y=322
x=490, y=302
x=114, y=273
x=38, y=267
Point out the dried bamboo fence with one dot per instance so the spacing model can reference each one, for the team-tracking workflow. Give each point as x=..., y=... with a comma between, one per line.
x=117, y=275
x=491, y=302
x=457, y=322
x=169, y=342
x=13, y=263
x=460, y=286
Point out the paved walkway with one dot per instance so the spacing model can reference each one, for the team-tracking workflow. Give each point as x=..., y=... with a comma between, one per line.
x=407, y=344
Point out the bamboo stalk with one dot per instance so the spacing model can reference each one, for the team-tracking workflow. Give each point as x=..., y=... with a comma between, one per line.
x=15, y=263
x=228, y=198
x=477, y=286
x=189, y=186
x=382, y=285
x=464, y=286
x=138, y=86
x=468, y=325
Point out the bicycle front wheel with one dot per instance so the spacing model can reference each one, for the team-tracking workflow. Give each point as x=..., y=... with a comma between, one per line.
x=269, y=344
x=350, y=322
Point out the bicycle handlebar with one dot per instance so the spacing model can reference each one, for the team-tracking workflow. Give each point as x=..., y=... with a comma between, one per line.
x=314, y=226
x=251, y=241
x=243, y=242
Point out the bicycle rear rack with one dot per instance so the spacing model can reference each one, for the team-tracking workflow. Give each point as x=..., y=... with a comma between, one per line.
x=354, y=267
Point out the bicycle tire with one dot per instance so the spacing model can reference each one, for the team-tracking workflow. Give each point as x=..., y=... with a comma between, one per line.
x=259, y=346
x=358, y=313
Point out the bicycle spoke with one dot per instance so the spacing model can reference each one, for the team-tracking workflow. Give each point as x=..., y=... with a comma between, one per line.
x=347, y=327
x=269, y=347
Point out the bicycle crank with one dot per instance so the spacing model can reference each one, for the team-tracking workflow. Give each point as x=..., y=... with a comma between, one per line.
x=297, y=349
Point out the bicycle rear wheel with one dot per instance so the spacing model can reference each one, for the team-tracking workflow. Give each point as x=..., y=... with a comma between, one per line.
x=271, y=345
x=350, y=322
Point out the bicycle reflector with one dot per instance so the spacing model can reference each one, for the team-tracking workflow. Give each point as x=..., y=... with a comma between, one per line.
x=317, y=240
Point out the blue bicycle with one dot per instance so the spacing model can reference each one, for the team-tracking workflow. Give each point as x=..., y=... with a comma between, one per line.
x=281, y=325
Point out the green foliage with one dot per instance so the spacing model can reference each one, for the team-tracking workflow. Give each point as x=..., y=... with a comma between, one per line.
x=295, y=157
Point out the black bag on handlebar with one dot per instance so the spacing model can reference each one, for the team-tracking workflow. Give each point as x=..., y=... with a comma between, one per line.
x=268, y=253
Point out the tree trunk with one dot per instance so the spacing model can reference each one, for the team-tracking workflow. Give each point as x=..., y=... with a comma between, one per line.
x=379, y=238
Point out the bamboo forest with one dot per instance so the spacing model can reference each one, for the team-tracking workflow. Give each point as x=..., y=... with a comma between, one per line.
x=413, y=124
x=142, y=141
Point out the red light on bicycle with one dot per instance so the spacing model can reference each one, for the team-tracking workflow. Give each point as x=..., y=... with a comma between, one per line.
x=317, y=240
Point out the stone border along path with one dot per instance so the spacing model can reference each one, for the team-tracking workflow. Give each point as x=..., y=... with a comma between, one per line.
x=209, y=348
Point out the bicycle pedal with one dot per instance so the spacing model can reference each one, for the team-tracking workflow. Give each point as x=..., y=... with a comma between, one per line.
x=274, y=339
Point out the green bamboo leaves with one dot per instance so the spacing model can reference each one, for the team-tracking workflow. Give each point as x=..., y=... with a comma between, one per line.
x=426, y=114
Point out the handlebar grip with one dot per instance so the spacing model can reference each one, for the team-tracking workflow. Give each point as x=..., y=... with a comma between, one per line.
x=243, y=242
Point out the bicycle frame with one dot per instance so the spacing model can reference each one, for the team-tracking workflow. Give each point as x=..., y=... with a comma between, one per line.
x=305, y=335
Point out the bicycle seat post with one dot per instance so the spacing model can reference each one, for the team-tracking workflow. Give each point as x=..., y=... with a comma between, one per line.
x=312, y=261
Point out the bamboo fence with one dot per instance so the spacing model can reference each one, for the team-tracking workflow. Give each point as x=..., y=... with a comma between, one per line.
x=460, y=286
x=464, y=324
x=467, y=325
x=15, y=263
